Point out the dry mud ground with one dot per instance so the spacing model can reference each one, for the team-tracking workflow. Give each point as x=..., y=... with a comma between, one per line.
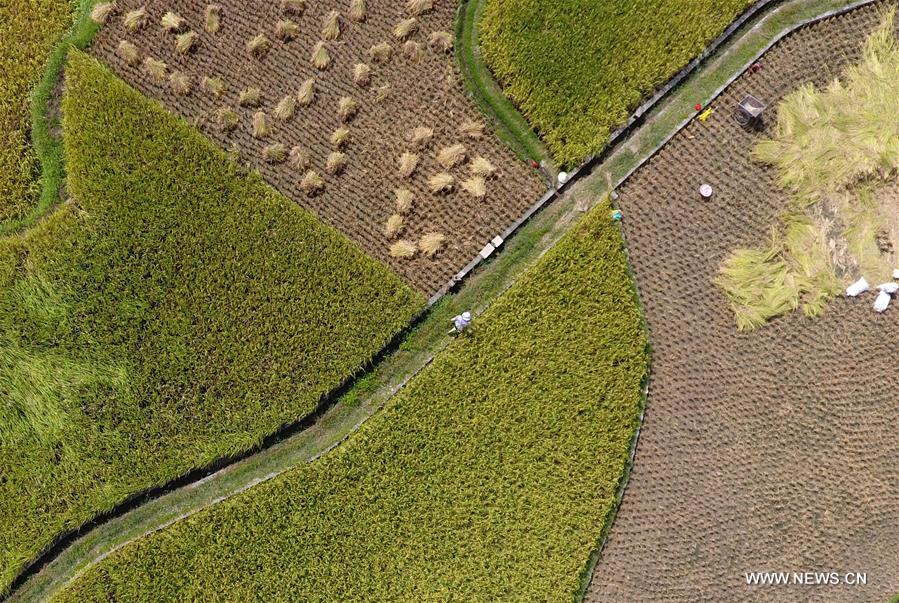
x=358, y=201
x=771, y=450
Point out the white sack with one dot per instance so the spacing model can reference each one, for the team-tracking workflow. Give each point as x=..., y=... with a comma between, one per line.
x=882, y=302
x=857, y=288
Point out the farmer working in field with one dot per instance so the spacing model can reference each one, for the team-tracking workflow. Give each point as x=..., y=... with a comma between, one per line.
x=461, y=322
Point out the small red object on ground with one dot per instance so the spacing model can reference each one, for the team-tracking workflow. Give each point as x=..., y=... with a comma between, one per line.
x=698, y=106
x=534, y=164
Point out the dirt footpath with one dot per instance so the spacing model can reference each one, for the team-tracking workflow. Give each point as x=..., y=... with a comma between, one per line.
x=775, y=450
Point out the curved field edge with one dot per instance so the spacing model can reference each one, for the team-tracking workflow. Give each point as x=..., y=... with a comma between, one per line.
x=486, y=478
x=553, y=61
x=177, y=312
x=798, y=15
x=707, y=83
x=46, y=146
x=509, y=124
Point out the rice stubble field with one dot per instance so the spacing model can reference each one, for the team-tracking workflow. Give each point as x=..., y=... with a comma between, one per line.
x=353, y=109
x=768, y=450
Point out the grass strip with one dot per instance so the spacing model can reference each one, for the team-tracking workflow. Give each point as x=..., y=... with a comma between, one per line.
x=509, y=124
x=31, y=30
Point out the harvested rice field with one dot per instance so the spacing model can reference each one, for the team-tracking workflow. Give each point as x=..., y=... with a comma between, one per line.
x=354, y=110
x=766, y=450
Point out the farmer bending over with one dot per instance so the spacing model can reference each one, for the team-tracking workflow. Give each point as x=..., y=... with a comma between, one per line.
x=461, y=322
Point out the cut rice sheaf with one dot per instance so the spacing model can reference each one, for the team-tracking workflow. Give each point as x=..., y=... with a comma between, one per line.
x=440, y=41
x=156, y=69
x=336, y=163
x=361, y=75
x=293, y=7
x=250, y=97
x=227, y=119
x=408, y=162
x=299, y=159
x=213, y=17
x=357, y=11
x=340, y=137
x=421, y=136
x=405, y=28
x=213, y=85
x=181, y=83
x=285, y=108
x=419, y=7
x=431, y=243
x=261, y=129
x=475, y=186
x=331, y=26
x=481, y=166
x=312, y=183
x=135, y=19
x=451, y=156
x=347, y=108
x=403, y=249
x=286, y=30
x=404, y=200
x=306, y=93
x=320, y=56
x=128, y=52
x=275, y=153
x=441, y=183
x=259, y=46
x=394, y=226
x=380, y=53
x=187, y=42
x=101, y=12
x=173, y=22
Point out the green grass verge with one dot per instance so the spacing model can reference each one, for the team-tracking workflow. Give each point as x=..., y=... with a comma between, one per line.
x=178, y=311
x=508, y=123
x=48, y=147
x=577, y=70
x=31, y=29
x=488, y=478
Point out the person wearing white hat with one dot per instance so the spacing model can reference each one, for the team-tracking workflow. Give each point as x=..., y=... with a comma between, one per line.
x=461, y=322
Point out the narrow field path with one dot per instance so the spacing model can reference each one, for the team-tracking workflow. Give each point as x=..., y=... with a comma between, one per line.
x=429, y=338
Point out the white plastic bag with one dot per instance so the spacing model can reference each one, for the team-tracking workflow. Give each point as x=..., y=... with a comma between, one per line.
x=889, y=287
x=857, y=288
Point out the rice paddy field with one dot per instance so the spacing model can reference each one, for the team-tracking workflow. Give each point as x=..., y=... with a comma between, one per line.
x=770, y=449
x=488, y=478
x=354, y=110
x=257, y=198
x=576, y=69
x=31, y=29
x=174, y=311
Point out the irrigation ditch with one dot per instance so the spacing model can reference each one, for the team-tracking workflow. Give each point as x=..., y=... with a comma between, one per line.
x=486, y=276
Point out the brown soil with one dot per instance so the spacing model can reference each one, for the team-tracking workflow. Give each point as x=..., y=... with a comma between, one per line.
x=359, y=201
x=772, y=450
